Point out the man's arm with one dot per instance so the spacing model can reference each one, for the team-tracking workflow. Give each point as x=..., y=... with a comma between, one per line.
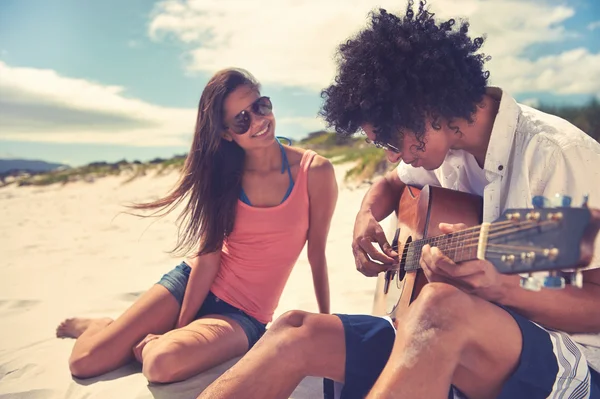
x=572, y=171
x=381, y=200
x=573, y=310
x=383, y=196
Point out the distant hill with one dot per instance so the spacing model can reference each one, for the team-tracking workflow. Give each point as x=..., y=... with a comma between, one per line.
x=27, y=165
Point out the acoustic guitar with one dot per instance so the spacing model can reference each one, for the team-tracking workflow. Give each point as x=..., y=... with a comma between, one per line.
x=558, y=240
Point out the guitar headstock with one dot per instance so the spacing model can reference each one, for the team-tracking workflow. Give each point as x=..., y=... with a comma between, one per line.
x=551, y=236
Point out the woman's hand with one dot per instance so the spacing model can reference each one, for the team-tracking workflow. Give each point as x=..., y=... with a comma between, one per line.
x=477, y=277
x=139, y=348
x=366, y=231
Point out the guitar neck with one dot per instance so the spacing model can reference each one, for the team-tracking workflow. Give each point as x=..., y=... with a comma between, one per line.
x=459, y=246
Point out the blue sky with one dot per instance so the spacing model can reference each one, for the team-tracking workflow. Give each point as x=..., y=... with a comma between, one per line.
x=89, y=81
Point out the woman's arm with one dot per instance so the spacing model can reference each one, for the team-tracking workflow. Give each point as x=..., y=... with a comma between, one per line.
x=322, y=193
x=204, y=270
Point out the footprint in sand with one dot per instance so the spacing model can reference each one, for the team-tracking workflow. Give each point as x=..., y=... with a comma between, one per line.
x=130, y=296
x=18, y=304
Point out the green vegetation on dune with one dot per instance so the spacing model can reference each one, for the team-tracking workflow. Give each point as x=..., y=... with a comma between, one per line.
x=96, y=170
x=369, y=161
x=586, y=117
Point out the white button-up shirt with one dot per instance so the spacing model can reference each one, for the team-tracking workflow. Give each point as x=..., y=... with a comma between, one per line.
x=530, y=153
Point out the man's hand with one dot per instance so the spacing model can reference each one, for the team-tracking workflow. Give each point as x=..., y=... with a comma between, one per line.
x=366, y=231
x=139, y=348
x=477, y=277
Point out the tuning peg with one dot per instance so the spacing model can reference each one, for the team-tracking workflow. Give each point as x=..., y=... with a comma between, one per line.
x=539, y=201
x=575, y=279
x=530, y=283
x=554, y=281
x=585, y=201
x=562, y=201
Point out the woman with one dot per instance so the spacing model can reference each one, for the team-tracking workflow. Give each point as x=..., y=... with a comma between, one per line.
x=252, y=206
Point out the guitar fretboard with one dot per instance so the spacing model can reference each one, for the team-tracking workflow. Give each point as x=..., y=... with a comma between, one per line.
x=460, y=246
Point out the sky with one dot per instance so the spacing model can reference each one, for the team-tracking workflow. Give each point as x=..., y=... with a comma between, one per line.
x=111, y=80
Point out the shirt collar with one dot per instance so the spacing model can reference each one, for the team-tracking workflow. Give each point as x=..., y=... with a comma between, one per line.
x=503, y=132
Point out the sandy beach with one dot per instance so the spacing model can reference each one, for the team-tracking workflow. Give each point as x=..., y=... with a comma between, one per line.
x=70, y=251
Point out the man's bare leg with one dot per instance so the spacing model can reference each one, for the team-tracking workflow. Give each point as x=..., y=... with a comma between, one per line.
x=298, y=344
x=449, y=337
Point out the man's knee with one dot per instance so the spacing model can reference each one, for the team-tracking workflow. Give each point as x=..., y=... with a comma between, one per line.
x=292, y=320
x=439, y=306
x=293, y=328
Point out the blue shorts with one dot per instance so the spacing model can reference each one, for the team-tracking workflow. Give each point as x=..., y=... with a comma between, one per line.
x=176, y=282
x=547, y=359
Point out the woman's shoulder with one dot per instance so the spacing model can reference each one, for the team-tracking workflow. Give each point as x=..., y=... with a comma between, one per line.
x=318, y=165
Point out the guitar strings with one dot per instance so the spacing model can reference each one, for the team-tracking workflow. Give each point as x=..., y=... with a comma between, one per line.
x=473, y=237
x=473, y=241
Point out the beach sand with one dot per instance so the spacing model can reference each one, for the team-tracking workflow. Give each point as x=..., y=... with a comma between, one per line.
x=69, y=251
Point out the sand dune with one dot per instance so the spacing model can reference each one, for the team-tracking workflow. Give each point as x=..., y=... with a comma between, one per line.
x=68, y=251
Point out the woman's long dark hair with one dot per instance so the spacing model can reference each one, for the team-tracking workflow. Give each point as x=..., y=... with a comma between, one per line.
x=212, y=174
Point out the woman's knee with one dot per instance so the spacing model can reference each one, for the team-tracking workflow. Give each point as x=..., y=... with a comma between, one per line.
x=160, y=363
x=87, y=364
x=81, y=365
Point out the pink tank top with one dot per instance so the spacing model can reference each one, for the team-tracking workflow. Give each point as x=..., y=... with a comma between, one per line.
x=258, y=256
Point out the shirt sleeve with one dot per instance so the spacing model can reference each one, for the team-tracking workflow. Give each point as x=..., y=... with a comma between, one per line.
x=575, y=172
x=416, y=176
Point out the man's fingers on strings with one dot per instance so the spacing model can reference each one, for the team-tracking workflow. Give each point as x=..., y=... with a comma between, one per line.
x=367, y=266
x=367, y=246
x=434, y=261
x=385, y=245
x=438, y=257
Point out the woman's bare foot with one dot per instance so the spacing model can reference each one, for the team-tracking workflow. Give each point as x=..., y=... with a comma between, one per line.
x=73, y=328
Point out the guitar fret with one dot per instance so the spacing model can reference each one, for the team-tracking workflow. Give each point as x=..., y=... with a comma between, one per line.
x=457, y=246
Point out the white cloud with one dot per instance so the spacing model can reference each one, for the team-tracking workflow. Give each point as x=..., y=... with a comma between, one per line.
x=41, y=105
x=572, y=72
x=292, y=43
x=308, y=124
x=594, y=25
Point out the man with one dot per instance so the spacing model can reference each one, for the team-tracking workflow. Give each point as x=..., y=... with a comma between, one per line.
x=417, y=88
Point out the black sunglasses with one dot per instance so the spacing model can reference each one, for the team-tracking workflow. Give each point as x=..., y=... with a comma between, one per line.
x=241, y=122
x=382, y=145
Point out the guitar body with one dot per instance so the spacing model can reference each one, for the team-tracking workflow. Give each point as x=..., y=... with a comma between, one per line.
x=419, y=214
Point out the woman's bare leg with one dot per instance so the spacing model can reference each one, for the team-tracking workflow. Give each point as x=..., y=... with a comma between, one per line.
x=185, y=352
x=103, y=345
x=297, y=345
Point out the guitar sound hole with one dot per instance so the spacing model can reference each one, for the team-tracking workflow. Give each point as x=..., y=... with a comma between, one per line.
x=400, y=274
x=395, y=287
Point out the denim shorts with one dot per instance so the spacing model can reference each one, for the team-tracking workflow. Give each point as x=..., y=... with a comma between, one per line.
x=176, y=281
x=369, y=341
